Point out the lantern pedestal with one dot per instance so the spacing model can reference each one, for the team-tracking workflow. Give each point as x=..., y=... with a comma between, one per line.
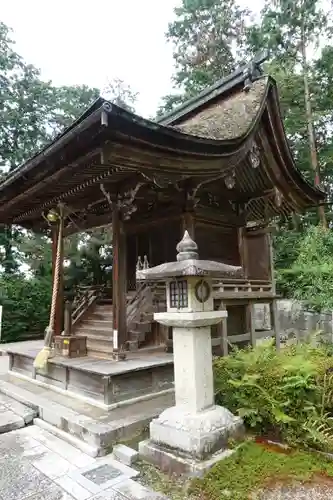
x=191, y=436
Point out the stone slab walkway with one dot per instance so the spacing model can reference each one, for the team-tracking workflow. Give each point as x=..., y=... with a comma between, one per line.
x=36, y=465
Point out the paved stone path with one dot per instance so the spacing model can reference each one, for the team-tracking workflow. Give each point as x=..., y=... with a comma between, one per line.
x=35, y=465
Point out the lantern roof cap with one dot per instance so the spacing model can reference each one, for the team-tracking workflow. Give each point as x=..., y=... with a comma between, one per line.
x=187, y=248
x=189, y=264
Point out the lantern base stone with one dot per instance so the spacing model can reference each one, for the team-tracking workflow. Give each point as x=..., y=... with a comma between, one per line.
x=182, y=442
x=172, y=463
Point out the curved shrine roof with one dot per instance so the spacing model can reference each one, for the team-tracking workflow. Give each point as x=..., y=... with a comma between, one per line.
x=204, y=141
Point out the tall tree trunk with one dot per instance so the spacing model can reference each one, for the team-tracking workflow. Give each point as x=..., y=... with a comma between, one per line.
x=310, y=127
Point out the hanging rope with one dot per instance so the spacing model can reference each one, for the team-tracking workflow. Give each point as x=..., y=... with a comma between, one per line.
x=41, y=360
x=56, y=279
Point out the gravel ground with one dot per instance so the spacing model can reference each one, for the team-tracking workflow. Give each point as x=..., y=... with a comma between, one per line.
x=297, y=492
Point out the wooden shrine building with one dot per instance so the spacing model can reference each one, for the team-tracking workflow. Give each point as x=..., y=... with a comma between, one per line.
x=218, y=166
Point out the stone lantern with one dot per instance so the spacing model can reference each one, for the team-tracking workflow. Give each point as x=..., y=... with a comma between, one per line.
x=192, y=435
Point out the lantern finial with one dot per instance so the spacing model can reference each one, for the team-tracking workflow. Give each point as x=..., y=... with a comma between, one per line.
x=187, y=248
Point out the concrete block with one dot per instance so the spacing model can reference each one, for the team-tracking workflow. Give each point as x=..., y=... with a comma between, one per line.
x=125, y=454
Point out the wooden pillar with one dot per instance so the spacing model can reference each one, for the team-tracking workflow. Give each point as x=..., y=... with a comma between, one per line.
x=242, y=248
x=250, y=320
x=68, y=319
x=222, y=329
x=271, y=261
x=58, y=323
x=275, y=323
x=188, y=223
x=119, y=280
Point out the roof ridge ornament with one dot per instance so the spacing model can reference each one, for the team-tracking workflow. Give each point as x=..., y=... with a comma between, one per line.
x=253, y=70
x=187, y=248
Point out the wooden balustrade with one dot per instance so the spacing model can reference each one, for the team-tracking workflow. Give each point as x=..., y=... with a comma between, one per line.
x=242, y=288
x=233, y=288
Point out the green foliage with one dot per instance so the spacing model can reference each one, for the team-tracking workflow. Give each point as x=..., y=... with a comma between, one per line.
x=287, y=394
x=253, y=467
x=310, y=275
x=90, y=259
x=33, y=112
x=121, y=94
x=203, y=35
x=26, y=304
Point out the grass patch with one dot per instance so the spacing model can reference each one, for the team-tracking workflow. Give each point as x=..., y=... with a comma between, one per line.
x=175, y=488
x=254, y=466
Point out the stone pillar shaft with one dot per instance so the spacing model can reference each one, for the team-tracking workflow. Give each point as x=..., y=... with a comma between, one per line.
x=194, y=387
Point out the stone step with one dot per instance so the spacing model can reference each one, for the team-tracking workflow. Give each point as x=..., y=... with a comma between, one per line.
x=13, y=414
x=97, y=429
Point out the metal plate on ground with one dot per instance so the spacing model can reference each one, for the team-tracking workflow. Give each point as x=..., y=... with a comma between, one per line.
x=101, y=474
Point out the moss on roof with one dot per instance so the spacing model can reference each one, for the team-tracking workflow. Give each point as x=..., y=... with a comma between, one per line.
x=229, y=118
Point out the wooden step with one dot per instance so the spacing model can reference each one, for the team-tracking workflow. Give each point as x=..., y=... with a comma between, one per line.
x=94, y=332
x=142, y=326
x=137, y=336
x=99, y=338
x=105, y=302
x=147, y=317
x=99, y=323
x=100, y=316
x=92, y=353
x=103, y=345
x=103, y=310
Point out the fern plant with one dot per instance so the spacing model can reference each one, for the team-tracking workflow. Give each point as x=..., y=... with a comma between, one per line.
x=289, y=393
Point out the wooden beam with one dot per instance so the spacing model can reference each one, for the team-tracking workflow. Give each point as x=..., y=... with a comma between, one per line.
x=119, y=280
x=218, y=217
x=48, y=179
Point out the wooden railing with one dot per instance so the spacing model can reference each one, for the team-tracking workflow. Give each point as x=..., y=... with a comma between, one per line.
x=230, y=288
x=84, y=299
x=140, y=303
x=242, y=288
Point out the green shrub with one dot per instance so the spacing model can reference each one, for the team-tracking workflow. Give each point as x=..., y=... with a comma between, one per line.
x=26, y=304
x=309, y=275
x=287, y=394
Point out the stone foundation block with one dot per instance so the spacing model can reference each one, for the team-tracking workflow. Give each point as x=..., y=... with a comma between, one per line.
x=173, y=463
x=196, y=435
x=125, y=454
